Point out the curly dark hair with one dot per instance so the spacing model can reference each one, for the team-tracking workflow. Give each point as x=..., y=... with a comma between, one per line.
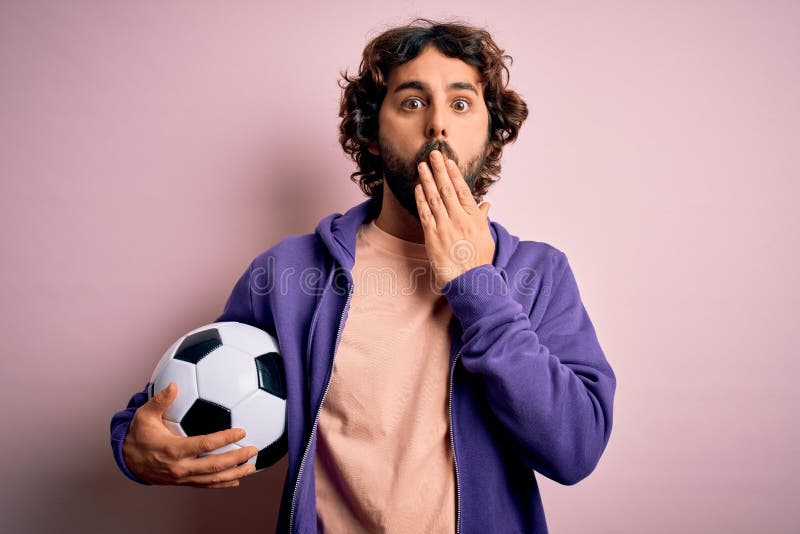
x=362, y=94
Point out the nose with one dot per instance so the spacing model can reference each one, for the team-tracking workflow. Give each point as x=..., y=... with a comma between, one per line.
x=435, y=126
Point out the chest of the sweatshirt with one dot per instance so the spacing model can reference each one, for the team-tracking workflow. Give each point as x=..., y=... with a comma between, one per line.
x=325, y=329
x=319, y=316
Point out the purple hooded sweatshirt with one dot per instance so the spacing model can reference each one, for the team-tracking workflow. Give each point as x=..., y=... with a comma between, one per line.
x=530, y=388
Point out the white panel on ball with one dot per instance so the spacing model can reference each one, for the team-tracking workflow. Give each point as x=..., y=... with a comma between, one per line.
x=264, y=416
x=246, y=338
x=183, y=374
x=165, y=358
x=237, y=366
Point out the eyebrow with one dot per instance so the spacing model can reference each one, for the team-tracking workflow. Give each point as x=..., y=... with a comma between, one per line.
x=415, y=84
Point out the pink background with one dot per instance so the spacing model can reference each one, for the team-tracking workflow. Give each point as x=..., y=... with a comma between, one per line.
x=151, y=149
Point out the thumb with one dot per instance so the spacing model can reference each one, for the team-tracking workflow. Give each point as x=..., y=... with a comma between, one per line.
x=161, y=400
x=484, y=207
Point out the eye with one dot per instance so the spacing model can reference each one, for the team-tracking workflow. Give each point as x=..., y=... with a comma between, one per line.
x=411, y=104
x=461, y=105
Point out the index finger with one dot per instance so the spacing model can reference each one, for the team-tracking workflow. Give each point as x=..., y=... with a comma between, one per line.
x=198, y=445
x=217, y=463
x=463, y=191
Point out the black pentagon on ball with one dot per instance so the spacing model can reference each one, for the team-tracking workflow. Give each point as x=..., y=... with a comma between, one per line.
x=205, y=417
x=272, y=453
x=270, y=374
x=198, y=345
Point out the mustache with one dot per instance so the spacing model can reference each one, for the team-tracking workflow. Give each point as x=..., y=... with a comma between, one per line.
x=441, y=146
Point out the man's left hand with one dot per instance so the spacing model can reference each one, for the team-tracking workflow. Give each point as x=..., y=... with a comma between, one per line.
x=457, y=236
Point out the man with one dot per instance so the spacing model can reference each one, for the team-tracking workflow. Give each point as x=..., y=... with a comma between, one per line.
x=423, y=406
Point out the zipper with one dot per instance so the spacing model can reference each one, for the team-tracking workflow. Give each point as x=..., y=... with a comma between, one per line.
x=453, y=444
x=316, y=417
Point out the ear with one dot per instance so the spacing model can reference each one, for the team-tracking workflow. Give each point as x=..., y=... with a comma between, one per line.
x=373, y=148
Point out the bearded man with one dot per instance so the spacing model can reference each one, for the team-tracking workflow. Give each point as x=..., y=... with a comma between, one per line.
x=430, y=406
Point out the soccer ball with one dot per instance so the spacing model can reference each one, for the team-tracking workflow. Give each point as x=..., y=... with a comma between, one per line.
x=228, y=375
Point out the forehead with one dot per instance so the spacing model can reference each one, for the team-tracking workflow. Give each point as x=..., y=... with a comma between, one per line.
x=434, y=69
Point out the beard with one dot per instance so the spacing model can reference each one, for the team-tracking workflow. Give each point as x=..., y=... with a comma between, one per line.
x=401, y=175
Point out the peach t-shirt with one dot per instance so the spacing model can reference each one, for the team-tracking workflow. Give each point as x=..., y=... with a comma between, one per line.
x=384, y=461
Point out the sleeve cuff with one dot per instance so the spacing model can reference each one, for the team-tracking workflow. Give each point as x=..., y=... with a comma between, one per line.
x=476, y=293
x=120, y=424
x=117, y=444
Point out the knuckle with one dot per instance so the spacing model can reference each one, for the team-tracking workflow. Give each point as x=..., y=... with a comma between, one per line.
x=175, y=472
x=217, y=467
x=446, y=191
x=172, y=451
x=205, y=444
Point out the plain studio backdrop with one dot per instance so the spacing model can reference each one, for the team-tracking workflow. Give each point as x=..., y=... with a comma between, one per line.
x=150, y=150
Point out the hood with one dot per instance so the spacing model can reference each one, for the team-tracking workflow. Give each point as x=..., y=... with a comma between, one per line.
x=338, y=233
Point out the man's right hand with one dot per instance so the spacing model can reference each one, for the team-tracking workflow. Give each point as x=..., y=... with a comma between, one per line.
x=157, y=456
